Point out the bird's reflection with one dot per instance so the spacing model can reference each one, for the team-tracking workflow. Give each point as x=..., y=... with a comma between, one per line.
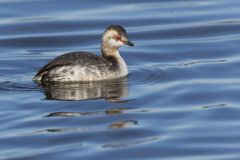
x=113, y=125
x=111, y=90
x=122, y=124
x=115, y=111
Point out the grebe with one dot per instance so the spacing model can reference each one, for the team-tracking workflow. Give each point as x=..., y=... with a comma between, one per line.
x=85, y=66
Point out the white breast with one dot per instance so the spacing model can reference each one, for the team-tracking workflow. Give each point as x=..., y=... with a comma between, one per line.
x=123, y=70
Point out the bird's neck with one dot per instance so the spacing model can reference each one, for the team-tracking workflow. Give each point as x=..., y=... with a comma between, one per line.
x=110, y=52
x=113, y=54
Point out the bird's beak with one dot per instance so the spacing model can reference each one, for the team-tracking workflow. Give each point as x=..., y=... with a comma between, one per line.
x=129, y=43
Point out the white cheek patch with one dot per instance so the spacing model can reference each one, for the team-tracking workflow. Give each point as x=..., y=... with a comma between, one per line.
x=108, y=38
x=113, y=42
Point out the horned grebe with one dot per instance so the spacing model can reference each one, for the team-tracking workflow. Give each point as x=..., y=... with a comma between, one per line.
x=85, y=66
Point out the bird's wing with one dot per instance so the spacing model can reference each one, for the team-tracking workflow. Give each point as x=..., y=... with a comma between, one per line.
x=68, y=59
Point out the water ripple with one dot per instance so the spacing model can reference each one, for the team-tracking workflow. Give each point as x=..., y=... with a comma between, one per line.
x=146, y=75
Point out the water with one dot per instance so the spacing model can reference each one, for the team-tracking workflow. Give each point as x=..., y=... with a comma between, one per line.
x=180, y=101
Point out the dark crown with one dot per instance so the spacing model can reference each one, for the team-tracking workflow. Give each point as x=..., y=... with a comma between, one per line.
x=117, y=28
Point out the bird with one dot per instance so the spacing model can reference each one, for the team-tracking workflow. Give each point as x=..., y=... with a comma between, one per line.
x=82, y=66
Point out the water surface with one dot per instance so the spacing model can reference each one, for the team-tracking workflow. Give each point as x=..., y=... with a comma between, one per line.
x=180, y=100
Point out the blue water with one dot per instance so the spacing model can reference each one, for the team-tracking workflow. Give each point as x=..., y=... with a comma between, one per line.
x=179, y=102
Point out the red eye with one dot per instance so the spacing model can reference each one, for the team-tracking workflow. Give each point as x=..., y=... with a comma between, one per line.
x=118, y=38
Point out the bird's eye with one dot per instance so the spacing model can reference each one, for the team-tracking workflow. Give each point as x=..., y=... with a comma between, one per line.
x=118, y=38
